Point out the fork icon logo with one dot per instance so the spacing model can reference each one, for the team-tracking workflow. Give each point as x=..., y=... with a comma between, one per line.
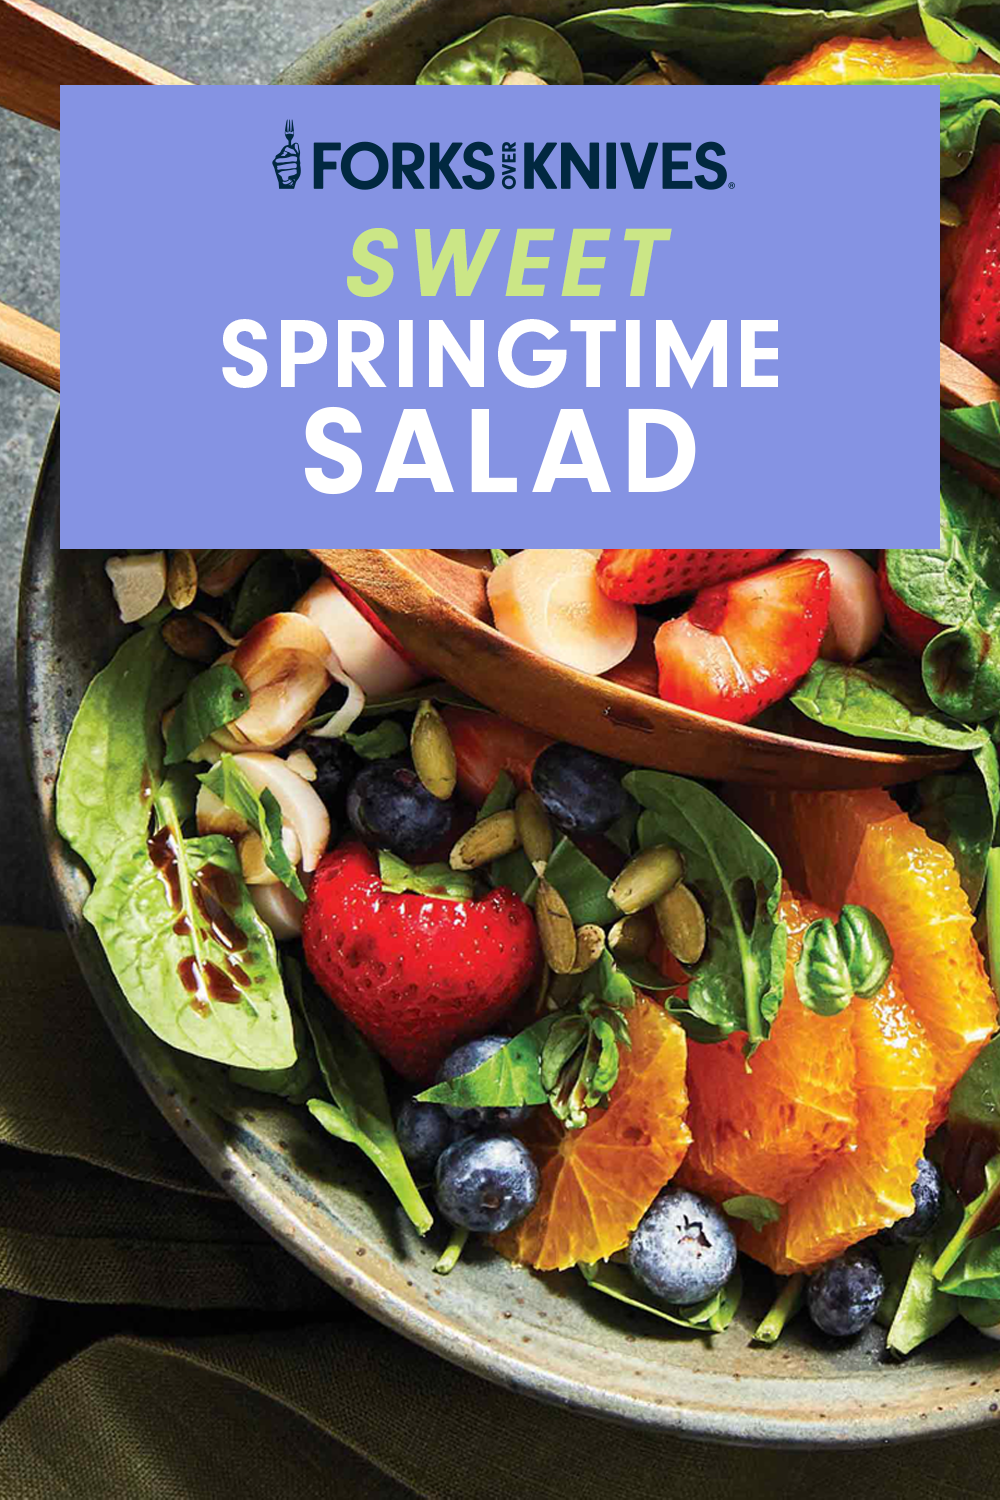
x=287, y=164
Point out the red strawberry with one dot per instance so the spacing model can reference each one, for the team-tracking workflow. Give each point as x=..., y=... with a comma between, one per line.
x=743, y=645
x=911, y=629
x=486, y=744
x=643, y=575
x=971, y=322
x=415, y=975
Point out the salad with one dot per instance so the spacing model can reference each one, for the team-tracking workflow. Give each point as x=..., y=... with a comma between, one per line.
x=614, y=1020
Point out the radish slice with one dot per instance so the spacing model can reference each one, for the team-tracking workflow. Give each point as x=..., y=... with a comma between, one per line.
x=364, y=655
x=279, y=909
x=856, y=614
x=548, y=598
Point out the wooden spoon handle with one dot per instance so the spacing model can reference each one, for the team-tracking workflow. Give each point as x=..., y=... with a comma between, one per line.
x=963, y=385
x=29, y=346
x=39, y=50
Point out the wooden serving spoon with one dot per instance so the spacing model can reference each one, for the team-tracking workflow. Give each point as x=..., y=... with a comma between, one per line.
x=437, y=607
x=962, y=384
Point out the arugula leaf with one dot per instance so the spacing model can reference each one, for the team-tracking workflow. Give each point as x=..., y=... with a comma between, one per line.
x=360, y=1113
x=757, y=1210
x=790, y=1300
x=713, y=1315
x=261, y=811
x=580, y=1058
x=221, y=1000
x=215, y=697
x=738, y=985
x=113, y=760
x=381, y=743
x=646, y=976
x=511, y=1076
x=439, y=881
x=269, y=585
x=961, y=672
x=954, y=809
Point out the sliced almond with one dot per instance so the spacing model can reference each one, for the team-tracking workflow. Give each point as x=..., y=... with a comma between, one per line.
x=682, y=923
x=139, y=581
x=190, y=638
x=214, y=816
x=491, y=839
x=632, y=937
x=302, y=764
x=432, y=751
x=182, y=579
x=555, y=929
x=646, y=878
x=534, y=829
x=589, y=947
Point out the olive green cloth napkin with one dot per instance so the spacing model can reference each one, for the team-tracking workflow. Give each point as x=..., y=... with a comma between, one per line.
x=155, y=1345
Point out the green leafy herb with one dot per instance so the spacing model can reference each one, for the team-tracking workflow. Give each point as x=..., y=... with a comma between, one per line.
x=411, y=698
x=301, y=1080
x=220, y=1000
x=510, y=44
x=270, y=584
x=739, y=983
x=879, y=700
x=981, y=1312
x=261, y=811
x=499, y=556
x=580, y=1059
x=511, y=1076
x=622, y=831
x=756, y=1210
x=113, y=760
x=954, y=809
x=499, y=798
x=360, y=1113
x=895, y=1262
x=382, y=742
x=969, y=1265
x=867, y=950
x=583, y=887
x=961, y=672
x=974, y=429
x=822, y=978
x=216, y=697
x=439, y=881
x=974, y=1108
x=713, y=1315
x=959, y=581
x=790, y=1300
x=924, y=1309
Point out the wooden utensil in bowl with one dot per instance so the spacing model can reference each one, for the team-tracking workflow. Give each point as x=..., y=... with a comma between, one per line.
x=437, y=608
x=962, y=384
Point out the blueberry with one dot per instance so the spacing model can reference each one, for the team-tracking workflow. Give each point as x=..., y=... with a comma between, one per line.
x=927, y=1194
x=683, y=1249
x=389, y=806
x=486, y=1183
x=336, y=766
x=423, y=1132
x=582, y=792
x=845, y=1293
x=466, y=1059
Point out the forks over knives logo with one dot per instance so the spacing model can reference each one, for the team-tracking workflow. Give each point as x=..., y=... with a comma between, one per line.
x=288, y=164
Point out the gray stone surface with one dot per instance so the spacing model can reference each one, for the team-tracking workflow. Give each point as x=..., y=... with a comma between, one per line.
x=207, y=41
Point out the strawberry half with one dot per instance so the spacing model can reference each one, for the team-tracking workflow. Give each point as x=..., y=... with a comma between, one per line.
x=416, y=975
x=486, y=744
x=644, y=575
x=743, y=645
x=971, y=322
x=911, y=629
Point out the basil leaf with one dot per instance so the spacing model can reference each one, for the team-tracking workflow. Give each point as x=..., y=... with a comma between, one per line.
x=879, y=700
x=739, y=983
x=757, y=1210
x=360, y=1113
x=867, y=950
x=261, y=811
x=511, y=1076
x=221, y=1000
x=113, y=760
x=822, y=978
x=961, y=672
x=500, y=797
x=713, y=1315
x=954, y=809
x=439, y=881
x=382, y=742
x=270, y=584
x=215, y=697
x=895, y=1262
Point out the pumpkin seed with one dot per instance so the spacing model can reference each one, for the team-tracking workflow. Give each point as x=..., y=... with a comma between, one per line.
x=182, y=579
x=682, y=923
x=555, y=928
x=534, y=829
x=433, y=753
x=589, y=947
x=191, y=638
x=494, y=837
x=951, y=214
x=632, y=937
x=646, y=878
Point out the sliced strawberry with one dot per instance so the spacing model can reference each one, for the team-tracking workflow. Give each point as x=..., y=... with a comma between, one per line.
x=971, y=321
x=743, y=645
x=486, y=744
x=911, y=629
x=644, y=575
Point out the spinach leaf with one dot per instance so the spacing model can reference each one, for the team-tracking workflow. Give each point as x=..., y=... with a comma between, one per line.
x=974, y=1107
x=879, y=700
x=713, y=1315
x=923, y=1309
x=970, y=103
x=113, y=760
x=961, y=672
x=360, y=1113
x=261, y=811
x=269, y=585
x=957, y=582
x=500, y=797
x=511, y=1076
x=301, y=1080
x=192, y=956
x=439, y=881
x=981, y=1312
x=739, y=983
x=969, y=1265
x=895, y=1262
x=646, y=976
x=974, y=429
x=754, y=1209
x=509, y=44
x=954, y=809
x=382, y=742
x=790, y=1300
x=215, y=697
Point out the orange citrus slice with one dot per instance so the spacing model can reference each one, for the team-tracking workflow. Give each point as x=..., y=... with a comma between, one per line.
x=847, y=59
x=597, y=1182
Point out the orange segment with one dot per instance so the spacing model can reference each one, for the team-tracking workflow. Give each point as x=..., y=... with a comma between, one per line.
x=768, y=1131
x=860, y=60
x=859, y=847
x=598, y=1182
